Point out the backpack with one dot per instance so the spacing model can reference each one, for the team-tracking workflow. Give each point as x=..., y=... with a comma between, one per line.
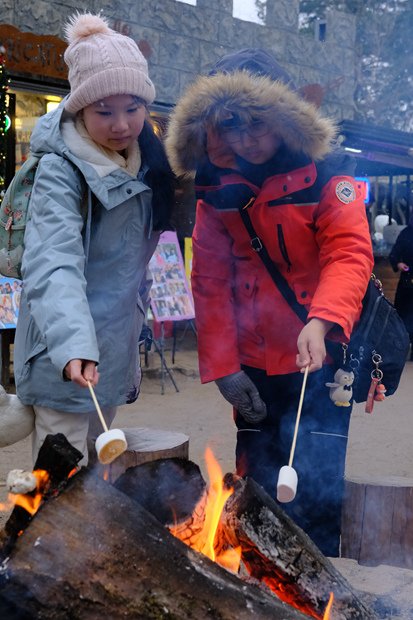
x=14, y=214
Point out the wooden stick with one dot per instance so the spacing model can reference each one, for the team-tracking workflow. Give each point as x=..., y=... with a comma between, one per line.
x=98, y=409
x=297, y=421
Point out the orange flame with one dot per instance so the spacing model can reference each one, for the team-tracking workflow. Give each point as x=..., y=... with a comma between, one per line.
x=328, y=608
x=72, y=472
x=216, y=497
x=30, y=502
x=4, y=507
x=205, y=540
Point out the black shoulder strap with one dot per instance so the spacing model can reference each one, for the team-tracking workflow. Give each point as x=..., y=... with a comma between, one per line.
x=278, y=279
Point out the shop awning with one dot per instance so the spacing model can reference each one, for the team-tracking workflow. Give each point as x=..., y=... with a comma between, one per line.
x=379, y=151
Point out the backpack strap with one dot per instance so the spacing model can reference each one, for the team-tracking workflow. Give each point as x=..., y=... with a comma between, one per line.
x=277, y=277
x=29, y=166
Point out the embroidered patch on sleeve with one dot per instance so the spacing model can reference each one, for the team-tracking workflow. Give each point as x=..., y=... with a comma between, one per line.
x=345, y=192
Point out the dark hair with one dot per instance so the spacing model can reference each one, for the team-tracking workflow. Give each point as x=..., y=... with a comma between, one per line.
x=159, y=177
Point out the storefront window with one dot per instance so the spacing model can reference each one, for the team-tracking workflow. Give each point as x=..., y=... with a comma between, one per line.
x=29, y=107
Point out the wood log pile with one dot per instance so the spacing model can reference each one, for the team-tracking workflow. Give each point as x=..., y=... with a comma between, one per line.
x=92, y=552
x=95, y=550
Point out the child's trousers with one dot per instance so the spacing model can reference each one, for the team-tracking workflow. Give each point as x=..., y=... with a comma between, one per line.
x=78, y=428
x=320, y=451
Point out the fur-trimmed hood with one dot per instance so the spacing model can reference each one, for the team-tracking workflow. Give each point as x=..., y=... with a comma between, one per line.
x=192, y=133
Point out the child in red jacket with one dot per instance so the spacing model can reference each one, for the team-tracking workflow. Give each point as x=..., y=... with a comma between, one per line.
x=255, y=144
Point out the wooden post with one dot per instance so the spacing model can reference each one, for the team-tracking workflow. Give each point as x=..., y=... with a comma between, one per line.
x=377, y=518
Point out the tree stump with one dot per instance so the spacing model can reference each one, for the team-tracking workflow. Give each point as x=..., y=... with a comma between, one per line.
x=377, y=518
x=145, y=445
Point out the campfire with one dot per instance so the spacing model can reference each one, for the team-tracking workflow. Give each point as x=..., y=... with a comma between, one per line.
x=160, y=543
x=212, y=540
x=204, y=535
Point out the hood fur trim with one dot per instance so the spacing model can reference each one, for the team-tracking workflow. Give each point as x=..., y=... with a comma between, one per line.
x=211, y=99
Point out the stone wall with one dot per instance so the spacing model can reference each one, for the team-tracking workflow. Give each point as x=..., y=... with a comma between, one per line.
x=181, y=40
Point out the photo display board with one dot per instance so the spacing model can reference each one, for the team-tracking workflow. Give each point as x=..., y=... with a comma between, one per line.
x=10, y=292
x=171, y=298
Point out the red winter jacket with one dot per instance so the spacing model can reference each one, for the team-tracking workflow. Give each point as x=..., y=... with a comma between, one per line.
x=322, y=248
x=310, y=216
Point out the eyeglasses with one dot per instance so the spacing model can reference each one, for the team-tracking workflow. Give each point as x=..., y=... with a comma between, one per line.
x=254, y=130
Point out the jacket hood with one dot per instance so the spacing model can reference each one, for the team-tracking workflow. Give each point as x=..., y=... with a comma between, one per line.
x=193, y=131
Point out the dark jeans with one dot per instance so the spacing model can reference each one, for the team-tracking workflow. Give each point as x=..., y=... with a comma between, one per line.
x=320, y=452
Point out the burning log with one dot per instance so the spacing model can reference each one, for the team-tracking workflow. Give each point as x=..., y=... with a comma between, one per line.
x=57, y=458
x=276, y=551
x=92, y=552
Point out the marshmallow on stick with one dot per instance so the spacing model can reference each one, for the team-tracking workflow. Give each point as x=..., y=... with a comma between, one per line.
x=287, y=478
x=110, y=444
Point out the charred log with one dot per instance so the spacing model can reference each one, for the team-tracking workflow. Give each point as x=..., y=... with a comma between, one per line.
x=58, y=458
x=168, y=488
x=276, y=551
x=92, y=552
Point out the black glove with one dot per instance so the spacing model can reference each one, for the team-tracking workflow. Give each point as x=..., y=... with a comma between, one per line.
x=239, y=390
x=146, y=337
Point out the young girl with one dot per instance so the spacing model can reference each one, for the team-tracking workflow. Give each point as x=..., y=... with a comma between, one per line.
x=255, y=145
x=103, y=192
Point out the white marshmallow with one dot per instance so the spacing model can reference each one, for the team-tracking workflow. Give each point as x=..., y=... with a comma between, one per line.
x=20, y=481
x=287, y=484
x=110, y=444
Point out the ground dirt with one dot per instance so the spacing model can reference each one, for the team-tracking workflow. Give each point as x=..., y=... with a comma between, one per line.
x=379, y=447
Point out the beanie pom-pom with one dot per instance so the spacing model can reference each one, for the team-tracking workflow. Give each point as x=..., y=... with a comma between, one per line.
x=85, y=24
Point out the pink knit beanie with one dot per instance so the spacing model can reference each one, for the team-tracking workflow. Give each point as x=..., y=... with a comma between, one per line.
x=102, y=63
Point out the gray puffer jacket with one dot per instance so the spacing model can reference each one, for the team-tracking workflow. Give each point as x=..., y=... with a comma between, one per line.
x=82, y=303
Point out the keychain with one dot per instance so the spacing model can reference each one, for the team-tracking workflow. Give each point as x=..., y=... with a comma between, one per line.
x=377, y=390
x=341, y=391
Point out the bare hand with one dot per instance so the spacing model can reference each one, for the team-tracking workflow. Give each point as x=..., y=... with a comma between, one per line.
x=311, y=344
x=402, y=267
x=82, y=371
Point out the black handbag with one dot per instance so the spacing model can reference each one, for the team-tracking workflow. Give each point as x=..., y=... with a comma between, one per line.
x=379, y=343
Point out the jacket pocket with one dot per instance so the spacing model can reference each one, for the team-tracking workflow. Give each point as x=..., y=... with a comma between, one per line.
x=283, y=246
x=246, y=308
x=34, y=345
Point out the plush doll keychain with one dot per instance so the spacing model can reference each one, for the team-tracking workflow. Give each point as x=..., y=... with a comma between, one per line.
x=380, y=392
x=341, y=391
